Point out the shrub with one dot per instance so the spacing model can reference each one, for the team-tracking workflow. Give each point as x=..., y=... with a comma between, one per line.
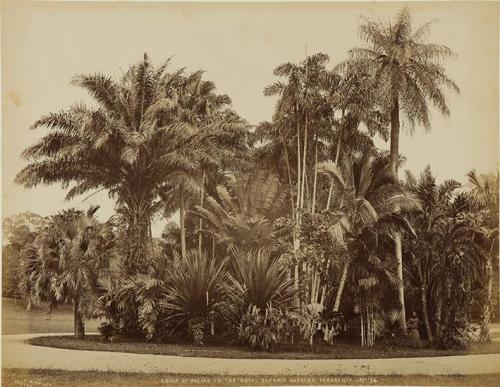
x=194, y=292
x=263, y=329
x=257, y=279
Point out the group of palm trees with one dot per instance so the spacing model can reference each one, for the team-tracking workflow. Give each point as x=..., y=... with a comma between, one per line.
x=306, y=196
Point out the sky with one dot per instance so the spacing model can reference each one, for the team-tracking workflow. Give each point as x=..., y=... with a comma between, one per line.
x=44, y=44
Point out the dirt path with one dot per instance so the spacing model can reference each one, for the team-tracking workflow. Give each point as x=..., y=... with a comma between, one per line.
x=18, y=354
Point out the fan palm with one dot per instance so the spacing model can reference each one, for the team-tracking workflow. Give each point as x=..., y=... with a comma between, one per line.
x=408, y=74
x=65, y=260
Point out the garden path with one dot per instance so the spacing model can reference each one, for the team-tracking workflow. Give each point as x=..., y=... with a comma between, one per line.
x=16, y=353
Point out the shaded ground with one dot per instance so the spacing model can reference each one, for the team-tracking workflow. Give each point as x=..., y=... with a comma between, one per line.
x=18, y=377
x=218, y=347
x=16, y=319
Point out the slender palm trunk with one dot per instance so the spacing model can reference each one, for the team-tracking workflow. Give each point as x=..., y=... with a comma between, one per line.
x=298, y=163
x=289, y=172
x=304, y=161
x=296, y=239
x=202, y=196
x=395, y=128
x=337, y=155
x=343, y=278
x=182, y=221
x=78, y=324
x=313, y=206
x=425, y=314
x=401, y=294
x=423, y=297
x=484, y=335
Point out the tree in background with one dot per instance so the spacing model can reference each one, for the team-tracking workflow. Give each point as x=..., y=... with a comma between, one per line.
x=18, y=232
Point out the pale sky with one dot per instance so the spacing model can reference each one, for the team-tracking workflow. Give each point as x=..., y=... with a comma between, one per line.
x=44, y=44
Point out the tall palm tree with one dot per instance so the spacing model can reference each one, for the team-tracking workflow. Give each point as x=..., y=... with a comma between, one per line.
x=409, y=74
x=146, y=126
x=369, y=199
x=485, y=191
x=65, y=260
x=435, y=200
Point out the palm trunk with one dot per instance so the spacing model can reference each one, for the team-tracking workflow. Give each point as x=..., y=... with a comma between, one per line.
x=484, y=335
x=200, y=235
x=395, y=127
x=138, y=234
x=289, y=172
x=78, y=325
x=341, y=287
x=313, y=206
x=304, y=161
x=182, y=222
x=337, y=155
x=423, y=298
x=298, y=162
x=425, y=314
x=401, y=291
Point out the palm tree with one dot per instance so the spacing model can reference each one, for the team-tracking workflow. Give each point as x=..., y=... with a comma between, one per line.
x=485, y=191
x=146, y=126
x=408, y=74
x=244, y=212
x=369, y=199
x=435, y=200
x=65, y=260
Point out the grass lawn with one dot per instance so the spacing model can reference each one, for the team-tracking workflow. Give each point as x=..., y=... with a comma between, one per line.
x=35, y=377
x=16, y=319
x=218, y=347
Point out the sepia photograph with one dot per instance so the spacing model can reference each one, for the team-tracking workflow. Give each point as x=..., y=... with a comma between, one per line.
x=250, y=193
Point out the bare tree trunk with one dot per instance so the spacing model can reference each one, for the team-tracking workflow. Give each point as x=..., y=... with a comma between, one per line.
x=78, y=325
x=182, y=222
x=337, y=155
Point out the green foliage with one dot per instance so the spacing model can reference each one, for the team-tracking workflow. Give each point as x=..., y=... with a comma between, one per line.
x=193, y=292
x=18, y=231
x=65, y=260
x=244, y=212
x=403, y=66
x=257, y=279
x=149, y=132
x=264, y=329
